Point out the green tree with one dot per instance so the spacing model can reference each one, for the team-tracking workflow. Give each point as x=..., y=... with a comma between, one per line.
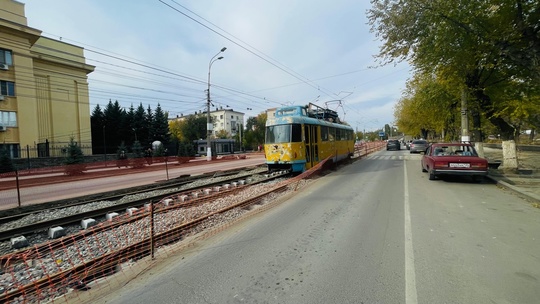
x=149, y=124
x=255, y=131
x=428, y=107
x=193, y=127
x=137, y=149
x=97, y=123
x=160, y=126
x=113, y=122
x=475, y=45
x=129, y=123
x=141, y=128
x=222, y=134
x=74, y=159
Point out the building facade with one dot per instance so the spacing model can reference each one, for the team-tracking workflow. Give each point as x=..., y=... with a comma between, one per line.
x=44, y=99
x=223, y=120
x=226, y=120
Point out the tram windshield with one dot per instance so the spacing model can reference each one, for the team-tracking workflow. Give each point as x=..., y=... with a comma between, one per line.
x=283, y=133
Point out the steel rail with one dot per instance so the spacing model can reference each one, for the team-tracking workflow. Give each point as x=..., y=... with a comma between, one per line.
x=7, y=234
x=17, y=213
x=106, y=264
x=37, y=250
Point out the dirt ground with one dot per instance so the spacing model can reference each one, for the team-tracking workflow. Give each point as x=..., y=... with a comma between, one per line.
x=526, y=159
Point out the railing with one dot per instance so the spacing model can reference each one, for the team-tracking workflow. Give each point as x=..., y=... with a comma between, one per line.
x=109, y=251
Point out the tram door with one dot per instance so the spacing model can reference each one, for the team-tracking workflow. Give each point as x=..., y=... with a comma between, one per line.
x=312, y=147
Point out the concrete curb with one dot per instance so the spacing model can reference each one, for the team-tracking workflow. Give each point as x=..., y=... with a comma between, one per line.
x=531, y=196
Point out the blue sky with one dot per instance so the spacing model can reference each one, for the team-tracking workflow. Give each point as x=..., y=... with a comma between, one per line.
x=279, y=52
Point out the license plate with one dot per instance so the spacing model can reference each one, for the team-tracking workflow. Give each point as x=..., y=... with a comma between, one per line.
x=459, y=165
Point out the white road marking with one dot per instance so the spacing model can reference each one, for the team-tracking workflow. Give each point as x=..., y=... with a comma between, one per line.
x=411, y=296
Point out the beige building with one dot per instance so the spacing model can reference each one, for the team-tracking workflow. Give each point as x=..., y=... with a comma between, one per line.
x=226, y=120
x=44, y=98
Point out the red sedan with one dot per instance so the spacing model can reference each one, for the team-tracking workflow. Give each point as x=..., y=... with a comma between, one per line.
x=454, y=159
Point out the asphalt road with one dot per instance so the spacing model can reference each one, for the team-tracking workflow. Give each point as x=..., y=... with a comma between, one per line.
x=376, y=231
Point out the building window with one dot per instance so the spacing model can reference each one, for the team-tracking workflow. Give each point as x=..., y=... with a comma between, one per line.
x=7, y=88
x=233, y=125
x=8, y=119
x=5, y=57
x=221, y=116
x=232, y=116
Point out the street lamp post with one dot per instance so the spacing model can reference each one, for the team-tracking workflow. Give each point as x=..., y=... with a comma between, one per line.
x=209, y=125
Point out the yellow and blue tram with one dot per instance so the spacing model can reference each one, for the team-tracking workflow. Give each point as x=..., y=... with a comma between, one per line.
x=299, y=137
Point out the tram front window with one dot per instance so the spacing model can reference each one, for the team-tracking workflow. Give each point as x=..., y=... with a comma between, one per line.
x=283, y=134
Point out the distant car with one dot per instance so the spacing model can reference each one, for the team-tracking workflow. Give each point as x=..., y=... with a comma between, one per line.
x=393, y=144
x=408, y=144
x=442, y=159
x=418, y=145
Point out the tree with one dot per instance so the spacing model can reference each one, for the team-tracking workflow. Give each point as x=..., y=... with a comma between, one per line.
x=97, y=122
x=74, y=159
x=193, y=127
x=148, y=120
x=475, y=45
x=255, y=130
x=129, y=124
x=222, y=134
x=428, y=107
x=160, y=126
x=113, y=122
x=141, y=127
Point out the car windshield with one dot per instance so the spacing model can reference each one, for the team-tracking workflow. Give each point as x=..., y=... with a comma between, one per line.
x=454, y=150
x=419, y=142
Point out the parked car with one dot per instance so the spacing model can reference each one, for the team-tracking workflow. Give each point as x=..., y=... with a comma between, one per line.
x=393, y=144
x=454, y=159
x=418, y=145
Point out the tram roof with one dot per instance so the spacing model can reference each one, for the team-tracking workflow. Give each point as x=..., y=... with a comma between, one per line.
x=307, y=114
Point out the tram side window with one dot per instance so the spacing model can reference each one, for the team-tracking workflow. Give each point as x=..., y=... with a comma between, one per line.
x=296, y=133
x=342, y=134
x=331, y=134
x=324, y=133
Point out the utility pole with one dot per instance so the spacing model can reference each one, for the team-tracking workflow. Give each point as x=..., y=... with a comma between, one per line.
x=464, y=117
x=209, y=125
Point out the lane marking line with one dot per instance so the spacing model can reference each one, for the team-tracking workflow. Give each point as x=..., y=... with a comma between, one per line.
x=411, y=296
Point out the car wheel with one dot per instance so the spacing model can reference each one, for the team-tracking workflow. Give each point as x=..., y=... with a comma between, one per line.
x=432, y=175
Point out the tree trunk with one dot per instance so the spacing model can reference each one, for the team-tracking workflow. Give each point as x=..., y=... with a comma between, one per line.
x=510, y=161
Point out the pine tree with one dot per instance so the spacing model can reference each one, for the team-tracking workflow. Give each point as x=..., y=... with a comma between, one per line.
x=161, y=126
x=74, y=160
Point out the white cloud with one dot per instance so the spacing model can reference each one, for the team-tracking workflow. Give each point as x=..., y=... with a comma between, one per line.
x=298, y=46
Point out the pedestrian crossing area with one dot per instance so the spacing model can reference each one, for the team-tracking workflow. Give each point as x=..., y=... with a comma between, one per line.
x=394, y=157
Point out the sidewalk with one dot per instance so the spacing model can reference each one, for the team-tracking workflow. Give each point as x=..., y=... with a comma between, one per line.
x=525, y=181
x=527, y=186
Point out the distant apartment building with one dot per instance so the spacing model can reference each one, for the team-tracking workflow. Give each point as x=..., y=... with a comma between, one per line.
x=44, y=98
x=226, y=120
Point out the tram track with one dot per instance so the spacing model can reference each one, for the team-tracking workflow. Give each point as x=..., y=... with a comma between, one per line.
x=154, y=193
x=99, y=264
x=17, y=213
